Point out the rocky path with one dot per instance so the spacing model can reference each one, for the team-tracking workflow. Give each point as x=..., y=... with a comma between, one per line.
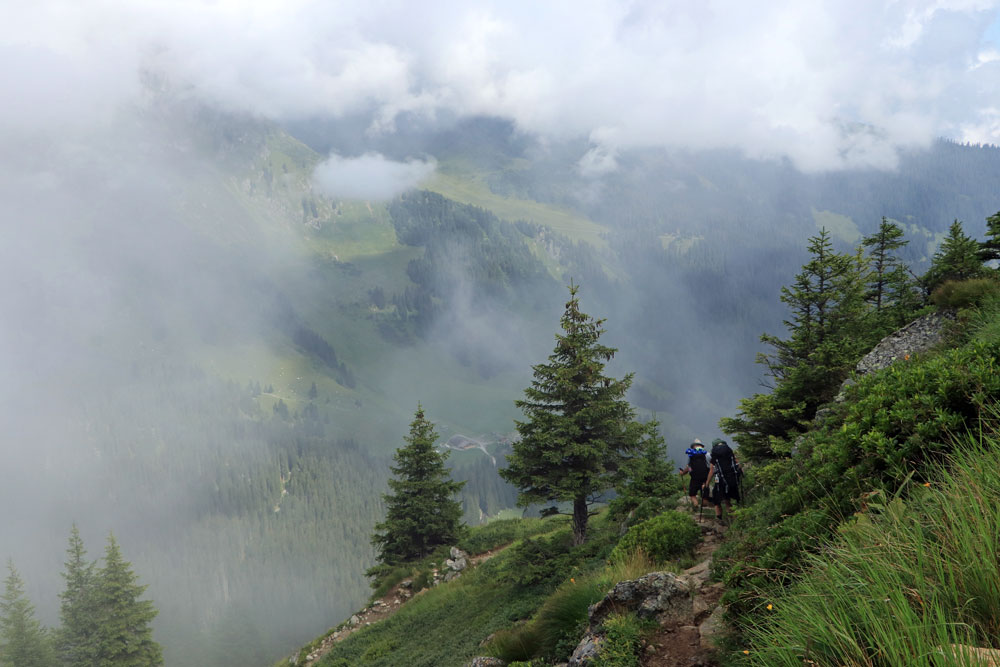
x=685, y=607
x=688, y=641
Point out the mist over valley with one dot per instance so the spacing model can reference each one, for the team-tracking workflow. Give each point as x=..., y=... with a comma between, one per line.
x=227, y=286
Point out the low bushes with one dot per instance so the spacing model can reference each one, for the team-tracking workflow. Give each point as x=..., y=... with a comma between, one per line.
x=894, y=426
x=663, y=537
x=965, y=293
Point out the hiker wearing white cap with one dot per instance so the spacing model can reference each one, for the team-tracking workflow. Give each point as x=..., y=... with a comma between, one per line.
x=697, y=467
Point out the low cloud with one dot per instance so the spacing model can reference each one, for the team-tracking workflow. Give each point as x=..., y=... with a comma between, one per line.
x=371, y=176
x=781, y=80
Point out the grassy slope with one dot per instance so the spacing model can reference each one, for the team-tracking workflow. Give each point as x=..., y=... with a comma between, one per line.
x=448, y=624
x=457, y=182
x=350, y=248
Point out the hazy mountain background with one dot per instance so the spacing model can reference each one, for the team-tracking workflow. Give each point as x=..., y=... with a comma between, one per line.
x=240, y=243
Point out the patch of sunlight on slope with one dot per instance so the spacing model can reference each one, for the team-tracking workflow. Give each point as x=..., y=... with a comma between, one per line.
x=931, y=240
x=472, y=190
x=840, y=226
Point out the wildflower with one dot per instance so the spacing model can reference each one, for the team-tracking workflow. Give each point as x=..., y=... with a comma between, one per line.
x=572, y=580
x=906, y=357
x=745, y=652
x=927, y=483
x=770, y=607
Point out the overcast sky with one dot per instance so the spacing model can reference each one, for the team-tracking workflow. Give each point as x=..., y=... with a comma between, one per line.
x=826, y=83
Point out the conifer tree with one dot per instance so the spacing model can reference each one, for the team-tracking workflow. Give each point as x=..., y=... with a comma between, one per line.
x=77, y=611
x=958, y=258
x=579, y=430
x=890, y=289
x=990, y=248
x=421, y=512
x=23, y=640
x=123, y=636
x=826, y=337
x=650, y=474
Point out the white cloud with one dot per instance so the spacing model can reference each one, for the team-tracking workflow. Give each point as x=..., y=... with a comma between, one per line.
x=782, y=78
x=370, y=176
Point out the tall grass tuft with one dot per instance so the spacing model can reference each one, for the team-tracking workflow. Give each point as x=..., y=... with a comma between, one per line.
x=560, y=622
x=910, y=582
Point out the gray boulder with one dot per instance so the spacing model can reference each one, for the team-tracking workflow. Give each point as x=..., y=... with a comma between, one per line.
x=661, y=596
x=586, y=651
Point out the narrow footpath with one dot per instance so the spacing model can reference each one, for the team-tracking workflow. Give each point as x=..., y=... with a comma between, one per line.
x=690, y=644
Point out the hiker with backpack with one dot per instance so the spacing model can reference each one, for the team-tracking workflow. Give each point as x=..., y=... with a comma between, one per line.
x=697, y=467
x=725, y=469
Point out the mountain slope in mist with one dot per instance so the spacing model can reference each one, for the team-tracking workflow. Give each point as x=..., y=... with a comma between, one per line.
x=211, y=357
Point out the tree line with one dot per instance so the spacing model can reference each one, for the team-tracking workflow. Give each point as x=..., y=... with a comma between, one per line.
x=840, y=305
x=104, y=620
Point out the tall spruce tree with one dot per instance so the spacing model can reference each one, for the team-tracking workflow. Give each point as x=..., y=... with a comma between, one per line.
x=826, y=337
x=77, y=612
x=421, y=512
x=123, y=636
x=891, y=291
x=958, y=258
x=579, y=430
x=23, y=640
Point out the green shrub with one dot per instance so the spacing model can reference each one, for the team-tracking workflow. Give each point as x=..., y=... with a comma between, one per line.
x=647, y=509
x=620, y=648
x=663, y=537
x=501, y=532
x=541, y=560
x=894, y=427
x=965, y=293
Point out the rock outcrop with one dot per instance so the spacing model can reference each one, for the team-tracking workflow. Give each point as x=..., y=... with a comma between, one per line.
x=918, y=336
x=660, y=596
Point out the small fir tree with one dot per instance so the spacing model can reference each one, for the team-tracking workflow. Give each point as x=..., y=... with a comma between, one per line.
x=123, y=636
x=579, y=430
x=650, y=478
x=958, y=258
x=421, y=512
x=77, y=612
x=23, y=640
x=891, y=291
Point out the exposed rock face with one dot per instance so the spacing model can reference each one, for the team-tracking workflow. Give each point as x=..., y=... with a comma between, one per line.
x=661, y=596
x=919, y=335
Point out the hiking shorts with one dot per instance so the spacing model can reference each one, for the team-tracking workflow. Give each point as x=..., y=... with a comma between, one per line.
x=695, y=485
x=730, y=490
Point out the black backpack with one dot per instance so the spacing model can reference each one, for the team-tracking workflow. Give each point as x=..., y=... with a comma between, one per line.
x=725, y=464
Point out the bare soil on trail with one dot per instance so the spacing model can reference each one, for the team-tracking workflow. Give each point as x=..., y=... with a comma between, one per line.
x=690, y=645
